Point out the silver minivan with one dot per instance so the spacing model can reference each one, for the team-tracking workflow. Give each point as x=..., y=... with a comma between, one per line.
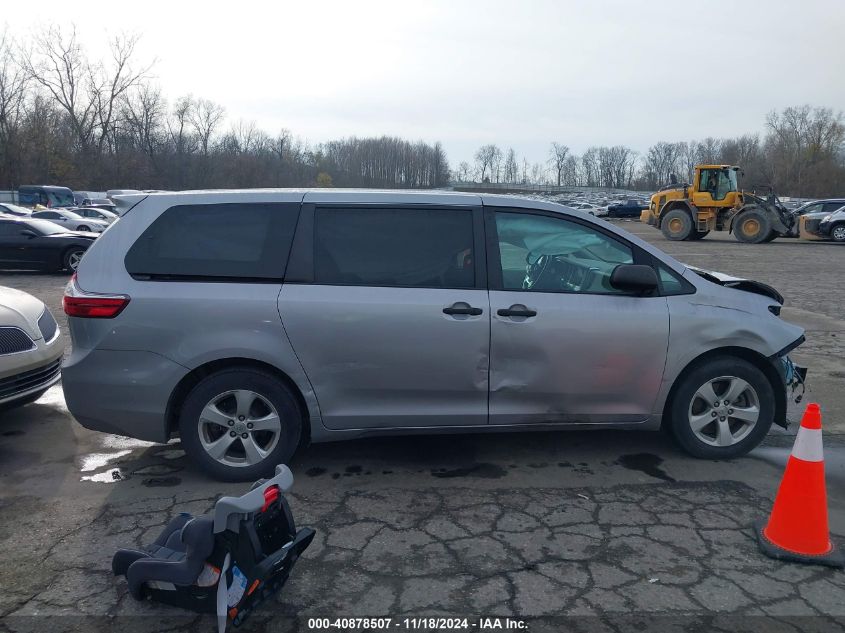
x=250, y=323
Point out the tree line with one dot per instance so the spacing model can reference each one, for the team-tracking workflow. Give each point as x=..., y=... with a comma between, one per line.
x=802, y=153
x=96, y=124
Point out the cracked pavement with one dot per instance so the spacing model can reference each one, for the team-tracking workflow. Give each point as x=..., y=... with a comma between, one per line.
x=582, y=531
x=586, y=529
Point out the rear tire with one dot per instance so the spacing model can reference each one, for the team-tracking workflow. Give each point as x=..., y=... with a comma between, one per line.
x=213, y=411
x=84, y=227
x=677, y=225
x=72, y=258
x=708, y=436
x=752, y=227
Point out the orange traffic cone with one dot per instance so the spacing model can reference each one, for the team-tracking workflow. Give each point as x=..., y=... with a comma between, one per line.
x=797, y=529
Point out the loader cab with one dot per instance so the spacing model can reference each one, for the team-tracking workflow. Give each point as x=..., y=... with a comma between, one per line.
x=715, y=185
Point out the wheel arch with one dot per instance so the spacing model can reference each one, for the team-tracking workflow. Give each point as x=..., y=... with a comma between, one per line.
x=755, y=358
x=671, y=205
x=835, y=225
x=192, y=378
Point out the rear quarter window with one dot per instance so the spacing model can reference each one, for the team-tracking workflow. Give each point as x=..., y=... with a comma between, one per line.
x=216, y=241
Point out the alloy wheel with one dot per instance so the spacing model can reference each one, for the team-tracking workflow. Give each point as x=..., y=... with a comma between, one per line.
x=74, y=259
x=239, y=428
x=724, y=411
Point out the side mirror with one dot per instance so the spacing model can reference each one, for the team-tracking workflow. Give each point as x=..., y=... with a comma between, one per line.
x=28, y=233
x=634, y=278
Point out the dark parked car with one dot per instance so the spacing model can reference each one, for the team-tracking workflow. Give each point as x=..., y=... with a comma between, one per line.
x=627, y=209
x=40, y=245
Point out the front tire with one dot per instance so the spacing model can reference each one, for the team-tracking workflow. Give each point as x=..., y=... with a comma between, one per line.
x=238, y=424
x=838, y=233
x=677, y=225
x=752, y=227
x=698, y=235
x=722, y=409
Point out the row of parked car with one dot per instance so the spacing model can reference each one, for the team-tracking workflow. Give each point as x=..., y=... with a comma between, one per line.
x=602, y=205
x=51, y=238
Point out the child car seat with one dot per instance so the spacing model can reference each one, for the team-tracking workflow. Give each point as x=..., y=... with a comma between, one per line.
x=225, y=563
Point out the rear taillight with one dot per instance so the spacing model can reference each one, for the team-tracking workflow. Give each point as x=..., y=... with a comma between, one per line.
x=78, y=303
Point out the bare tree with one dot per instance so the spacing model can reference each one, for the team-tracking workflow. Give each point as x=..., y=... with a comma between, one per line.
x=462, y=174
x=485, y=158
x=143, y=115
x=557, y=159
x=88, y=92
x=13, y=86
x=205, y=117
x=511, y=167
x=538, y=174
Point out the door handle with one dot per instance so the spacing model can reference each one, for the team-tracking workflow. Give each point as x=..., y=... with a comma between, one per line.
x=514, y=311
x=458, y=309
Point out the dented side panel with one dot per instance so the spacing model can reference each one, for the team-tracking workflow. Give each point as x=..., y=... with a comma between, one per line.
x=584, y=359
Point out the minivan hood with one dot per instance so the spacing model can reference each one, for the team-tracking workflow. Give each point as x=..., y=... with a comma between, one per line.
x=738, y=283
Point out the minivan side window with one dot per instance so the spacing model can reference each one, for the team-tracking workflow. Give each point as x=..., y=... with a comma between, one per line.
x=544, y=254
x=417, y=248
x=216, y=241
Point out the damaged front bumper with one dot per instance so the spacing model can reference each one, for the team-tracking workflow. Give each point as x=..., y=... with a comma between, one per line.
x=794, y=378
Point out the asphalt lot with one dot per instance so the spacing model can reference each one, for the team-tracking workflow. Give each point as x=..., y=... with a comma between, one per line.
x=599, y=531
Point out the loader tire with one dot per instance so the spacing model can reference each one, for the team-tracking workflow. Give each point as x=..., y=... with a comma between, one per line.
x=677, y=225
x=752, y=227
x=698, y=235
x=771, y=236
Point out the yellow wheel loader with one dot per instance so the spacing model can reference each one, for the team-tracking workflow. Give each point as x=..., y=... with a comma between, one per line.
x=714, y=203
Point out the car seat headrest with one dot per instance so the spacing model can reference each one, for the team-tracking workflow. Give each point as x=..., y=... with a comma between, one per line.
x=228, y=511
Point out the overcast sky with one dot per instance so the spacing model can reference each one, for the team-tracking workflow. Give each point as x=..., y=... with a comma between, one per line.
x=466, y=73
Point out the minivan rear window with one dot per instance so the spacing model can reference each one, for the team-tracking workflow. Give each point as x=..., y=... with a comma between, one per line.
x=216, y=241
x=417, y=248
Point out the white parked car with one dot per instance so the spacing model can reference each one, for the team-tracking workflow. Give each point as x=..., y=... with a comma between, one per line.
x=31, y=348
x=98, y=214
x=587, y=207
x=72, y=221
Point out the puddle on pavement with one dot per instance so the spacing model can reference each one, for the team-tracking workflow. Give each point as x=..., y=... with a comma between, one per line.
x=117, y=447
x=121, y=442
x=645, y=463
x=109, y=477
x=95, y=461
